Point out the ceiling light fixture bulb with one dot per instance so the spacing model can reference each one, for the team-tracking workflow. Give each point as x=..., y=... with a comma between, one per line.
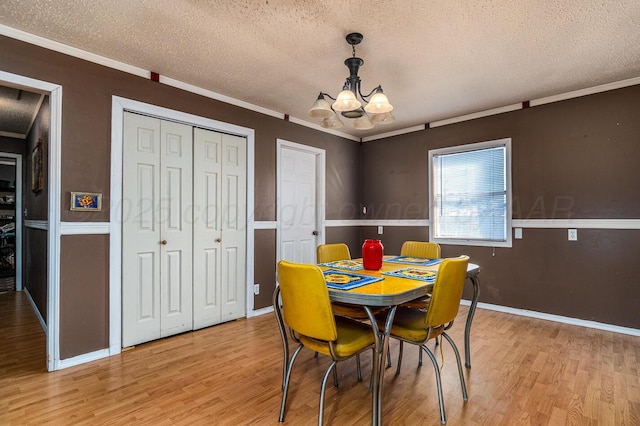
x=379, y=103
x=320, y=108
x=346, y=101
x=332, y=122
x=363, y=123
x=386, y=118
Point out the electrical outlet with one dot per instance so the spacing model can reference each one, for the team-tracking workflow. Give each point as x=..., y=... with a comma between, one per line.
x=573, y=235
x=256, y=289
x=379, y=230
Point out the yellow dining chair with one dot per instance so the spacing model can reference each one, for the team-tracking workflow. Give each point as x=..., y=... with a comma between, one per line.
x=427, y=250
x=307, y=311
x=331, y=252
x=424, y=249
x=326, y=253
x=417, y=327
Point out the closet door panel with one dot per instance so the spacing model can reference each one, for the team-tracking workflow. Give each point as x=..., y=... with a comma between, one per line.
x=234, y=232
x=176, y=189
x=141, y=315
x=207, y=233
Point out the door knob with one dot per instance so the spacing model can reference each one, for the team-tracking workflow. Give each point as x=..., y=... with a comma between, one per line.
x=163, y=242
x=218, y=240
x=315, y=233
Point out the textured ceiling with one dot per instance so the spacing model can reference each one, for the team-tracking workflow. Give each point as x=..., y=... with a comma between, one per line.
x=18, y=109
x=435, y=59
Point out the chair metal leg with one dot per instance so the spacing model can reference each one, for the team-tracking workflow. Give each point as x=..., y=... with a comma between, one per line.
x=467, y=329
x=420, y=352
x=286, y=382
x=283, y=333
x=443, y=418
x=373, y=356
x=400, y=352
x=322, y=388
x=460, y=372
x=358, y=369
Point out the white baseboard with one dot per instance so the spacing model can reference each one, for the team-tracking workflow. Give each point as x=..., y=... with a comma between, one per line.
x=260, y=311
x=81, y=359
x=43, y=323
x=556, y=318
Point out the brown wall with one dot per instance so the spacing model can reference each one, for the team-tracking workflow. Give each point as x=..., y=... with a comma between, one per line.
x=84, y=298
x=572, y=159
x=578, y=155
x=12, y=145
x=36, y=204
x=35, y=267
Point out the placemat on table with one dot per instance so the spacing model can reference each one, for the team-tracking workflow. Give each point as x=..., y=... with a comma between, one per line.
x=421, y=261
x=342, y=280
x=414, y=274
x=352, y=265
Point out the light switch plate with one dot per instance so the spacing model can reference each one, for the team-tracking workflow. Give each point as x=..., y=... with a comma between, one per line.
x=517, y=233
x=379, y=230
x=573, y=235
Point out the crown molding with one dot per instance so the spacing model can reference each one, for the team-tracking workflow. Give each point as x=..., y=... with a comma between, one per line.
x=121, y=66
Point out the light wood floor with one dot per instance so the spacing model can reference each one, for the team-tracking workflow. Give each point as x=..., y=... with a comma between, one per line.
x=525, y=371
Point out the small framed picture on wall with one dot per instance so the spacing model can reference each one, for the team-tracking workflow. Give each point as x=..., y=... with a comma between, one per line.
x=86, y=201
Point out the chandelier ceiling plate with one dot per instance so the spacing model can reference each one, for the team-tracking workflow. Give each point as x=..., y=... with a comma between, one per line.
x=354, y=38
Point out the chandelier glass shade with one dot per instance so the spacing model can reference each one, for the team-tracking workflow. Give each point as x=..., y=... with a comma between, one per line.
x=376, y=110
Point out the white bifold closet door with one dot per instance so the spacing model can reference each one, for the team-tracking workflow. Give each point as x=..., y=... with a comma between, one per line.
x=220, y=235
x=184, y=228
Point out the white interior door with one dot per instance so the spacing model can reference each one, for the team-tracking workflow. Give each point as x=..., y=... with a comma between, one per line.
x=220, y=215
x=298, y=202
x=157, y=245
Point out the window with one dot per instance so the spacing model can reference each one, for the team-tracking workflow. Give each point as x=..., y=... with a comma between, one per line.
x=471, y=194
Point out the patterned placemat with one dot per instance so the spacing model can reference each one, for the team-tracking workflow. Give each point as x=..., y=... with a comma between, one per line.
x=421, y=261
x=352, y=265
x=414, y=274
x=342, y=280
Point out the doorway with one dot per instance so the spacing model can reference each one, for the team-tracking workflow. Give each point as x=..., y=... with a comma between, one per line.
x=10, y=222
x=50, y=324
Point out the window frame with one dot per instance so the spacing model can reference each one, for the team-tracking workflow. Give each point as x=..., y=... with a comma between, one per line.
x=506, y=143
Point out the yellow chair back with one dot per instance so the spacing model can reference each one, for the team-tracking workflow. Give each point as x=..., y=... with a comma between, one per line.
x=332, y=252
x=306, y=306
x=424, y=249
x=447, y=291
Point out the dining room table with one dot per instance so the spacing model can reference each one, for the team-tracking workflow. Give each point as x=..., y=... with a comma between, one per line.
x=400, y=280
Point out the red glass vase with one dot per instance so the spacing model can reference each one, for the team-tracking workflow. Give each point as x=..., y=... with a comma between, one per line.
x=372, y=251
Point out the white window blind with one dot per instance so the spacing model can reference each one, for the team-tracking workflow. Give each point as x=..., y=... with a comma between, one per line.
x=471, y=194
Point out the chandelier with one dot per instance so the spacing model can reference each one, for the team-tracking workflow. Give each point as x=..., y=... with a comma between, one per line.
x=376, y=109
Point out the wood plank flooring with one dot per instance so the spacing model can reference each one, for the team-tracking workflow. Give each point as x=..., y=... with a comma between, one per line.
x=524, y=372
